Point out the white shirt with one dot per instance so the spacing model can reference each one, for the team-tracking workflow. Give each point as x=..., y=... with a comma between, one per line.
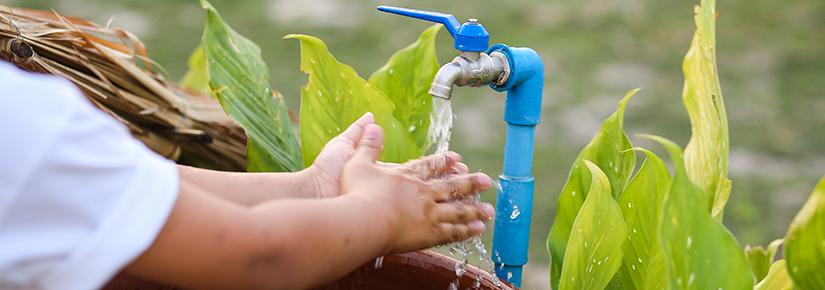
x=79, y=197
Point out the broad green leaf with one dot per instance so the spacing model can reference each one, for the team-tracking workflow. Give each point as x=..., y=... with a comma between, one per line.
x=197, y=77
x=761, y=258
x=700, y=252
x=805, y=242
x=777, y=278
x=336, y=96
x=643, y=266
x=406, y=79
x=609, y=149
x=239, y=79
x=594, y=253
x=706, y=155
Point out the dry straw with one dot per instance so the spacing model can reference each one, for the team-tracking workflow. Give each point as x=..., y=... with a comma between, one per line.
x=111, y=68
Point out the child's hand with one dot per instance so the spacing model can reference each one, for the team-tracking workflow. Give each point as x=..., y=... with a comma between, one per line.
x=325, y=171
x=419, y=199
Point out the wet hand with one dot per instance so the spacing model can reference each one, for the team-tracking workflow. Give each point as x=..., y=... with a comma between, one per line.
x=421, y=199
x=325, y=171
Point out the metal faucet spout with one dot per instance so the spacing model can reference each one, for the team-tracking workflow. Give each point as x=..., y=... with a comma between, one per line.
x=445, y=78
x=470, y=69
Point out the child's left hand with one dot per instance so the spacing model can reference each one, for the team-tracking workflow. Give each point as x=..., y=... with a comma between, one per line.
x=325, y=171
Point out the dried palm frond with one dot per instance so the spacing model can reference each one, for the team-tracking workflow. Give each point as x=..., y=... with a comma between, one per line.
x=112, y=69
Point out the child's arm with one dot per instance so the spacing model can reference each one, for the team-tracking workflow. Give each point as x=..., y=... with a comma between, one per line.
x=298, y=243
x=321, y=179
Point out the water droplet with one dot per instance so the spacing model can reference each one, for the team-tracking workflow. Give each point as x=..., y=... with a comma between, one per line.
x=689, y=242
x=312, y=60
x=690, y=279
x=515, y=212
x=629, y=205
x=379, y=262
x=635, y=231
x=320, y=93
x=573, y=193
x=391, y=71
x=411, y=128
x=585, y=244
x=453, y=286
x=633, y=267
x=639, y=259
x=509, y=275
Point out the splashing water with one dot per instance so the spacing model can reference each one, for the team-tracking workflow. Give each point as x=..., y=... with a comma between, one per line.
x=441, y=124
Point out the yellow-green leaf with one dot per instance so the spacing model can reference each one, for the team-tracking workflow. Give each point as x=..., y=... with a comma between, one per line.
x=706, y=155
x=239, y=79
x=197, y=77
x=805, y=242
x=609, y=149
x=761, y=258
x=777, y=278
x=336, y=96
x=700, y=252
x=594, y=253
x=643, y=266
x=406, y=79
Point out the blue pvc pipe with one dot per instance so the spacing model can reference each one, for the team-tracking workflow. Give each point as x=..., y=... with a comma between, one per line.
x=514, y=209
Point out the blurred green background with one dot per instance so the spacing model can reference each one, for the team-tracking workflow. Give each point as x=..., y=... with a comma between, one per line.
x=771, y=59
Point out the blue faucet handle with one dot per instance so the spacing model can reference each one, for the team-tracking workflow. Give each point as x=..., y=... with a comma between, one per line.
x=470, y=36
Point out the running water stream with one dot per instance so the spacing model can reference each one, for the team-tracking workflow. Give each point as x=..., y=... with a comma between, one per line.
x=441, y=125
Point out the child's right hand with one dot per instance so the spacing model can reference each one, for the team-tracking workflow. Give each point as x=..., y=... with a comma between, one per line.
x=420, y=199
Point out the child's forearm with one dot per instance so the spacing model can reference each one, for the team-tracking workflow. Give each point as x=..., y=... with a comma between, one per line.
x=249, y=189
x=322, y=240
x=209, y=243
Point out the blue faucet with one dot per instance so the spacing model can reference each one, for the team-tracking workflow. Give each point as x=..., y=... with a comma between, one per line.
x=520, y=72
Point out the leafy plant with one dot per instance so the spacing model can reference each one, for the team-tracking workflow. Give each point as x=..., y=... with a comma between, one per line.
x=230, y=67
x=239, y=79
x=670, y=230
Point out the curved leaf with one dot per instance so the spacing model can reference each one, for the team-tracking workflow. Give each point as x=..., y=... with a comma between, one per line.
x=777, y=278
x=805, y=242
x=239, y=79
x=336, y=96
x=761, y=258
x=700, y=252
x=609, y=150
x=197, y=77
x=706, y=155
x=643, y=266
x=594, y=253
x=406, y=79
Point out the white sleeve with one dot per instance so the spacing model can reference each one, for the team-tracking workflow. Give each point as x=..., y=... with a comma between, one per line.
x=79, y=197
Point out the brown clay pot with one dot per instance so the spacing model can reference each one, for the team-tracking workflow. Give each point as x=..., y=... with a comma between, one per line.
x=421, y=270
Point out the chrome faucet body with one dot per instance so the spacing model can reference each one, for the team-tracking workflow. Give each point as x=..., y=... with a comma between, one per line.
x=473, y=69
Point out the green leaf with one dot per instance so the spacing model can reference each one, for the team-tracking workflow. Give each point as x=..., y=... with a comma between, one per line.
x=594, y=253
x=777, y=278
x=336, y=96
x=761, y=258
x=805, y=242
x=706, y=155
x=643, y=266
x=239, y=79
x=197, y=78
x=609, y=150
x=406, y=79
x=700, y=252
